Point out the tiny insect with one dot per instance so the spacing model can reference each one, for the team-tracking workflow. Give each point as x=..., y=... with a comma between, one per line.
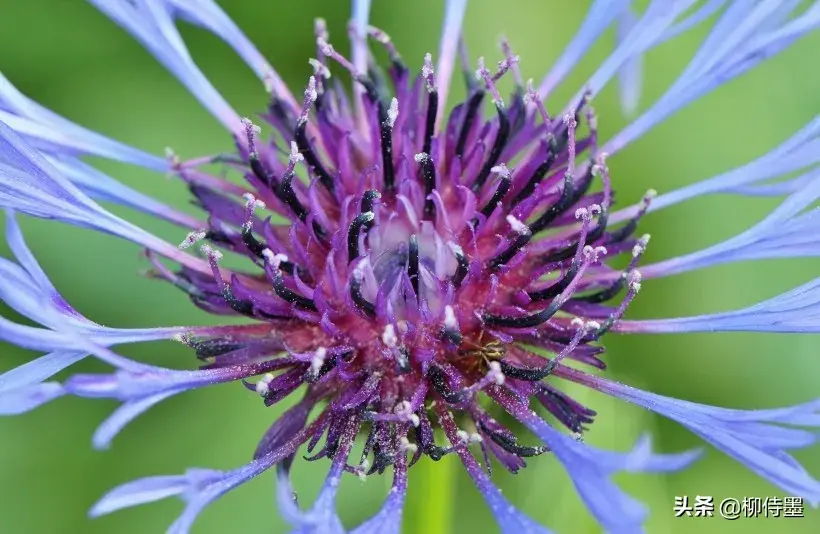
x=492, y=351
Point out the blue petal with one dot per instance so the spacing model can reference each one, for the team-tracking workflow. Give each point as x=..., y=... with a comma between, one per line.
x=140, y=388
x=510, y=520
x=630, y=75
x=140, y=491
x=150, y=22
x=590, y=469
x=742, y=38
x=123, y=415
x=29, y=337
x=42, y=368
x=197, y=487
x=454, y=11
x=800, y=151
x=704, y=12
x=749, y=436
x=789, y=231
x=322, y=517
x=24, y=399
x=360, y=19
x=29, y=184
x=796, y=311
x=102, y=187
x=38, y=123
x=600, y=15
x=388, y=520
x=643, y=35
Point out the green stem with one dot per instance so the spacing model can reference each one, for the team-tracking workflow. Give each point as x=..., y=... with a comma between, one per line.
x=430, y=497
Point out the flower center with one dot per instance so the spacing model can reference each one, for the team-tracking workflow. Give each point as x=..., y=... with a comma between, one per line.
x=413, y=263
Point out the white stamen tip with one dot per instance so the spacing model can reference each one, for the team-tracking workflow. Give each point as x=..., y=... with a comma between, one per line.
x=393, y=112
x=211, y=253
x=650, y=194
x=577, y=321
x=295, y=155
x=263, y=385
x=421, y=157
x=389, y=336
x=181, y=338
x=250, y=125
x=318, y=360
x=582, y=213
x=496, y=373
x=319, y=68
x=463, y=437
x=635, y=281
x=428, y=70
x=476, y=438
x=192, y=238
x=595, y=209
x=275, y=260
x=415, y=420
x=170, y=154
x=310, y=92
x=450, y=317
x=517, y=226
x=501, y=170
x=482, y=69
x=592, y=325
x=592, y=254
x=252, y=202
x=406, y=446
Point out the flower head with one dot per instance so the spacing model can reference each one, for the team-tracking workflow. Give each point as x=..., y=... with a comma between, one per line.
x=408, y=267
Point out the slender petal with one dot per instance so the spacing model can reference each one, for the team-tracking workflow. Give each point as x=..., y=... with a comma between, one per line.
x=39, y=124
x=322, y=517
x=31, y=185
x=630, y=75
x=39, y=369
x=600, y=15
x=207, y=14
x=510, y=520
x=800, y=151
x=151, y=23
x=123, y=415
x=450, y=34
x=197, y=487
x=752, y=437
x=101, y=187
x=388, y=520
x=590, y=469
x=796, y=311
x=704, y=12
x=643, y=35
x=789, y=231
x=27, y=398
x=741, y=39
x=27, y=290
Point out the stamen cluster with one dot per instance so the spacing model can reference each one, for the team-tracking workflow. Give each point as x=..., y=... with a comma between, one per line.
x=402, y=271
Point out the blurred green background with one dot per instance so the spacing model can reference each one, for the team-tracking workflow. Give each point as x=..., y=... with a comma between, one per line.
x=69, y=57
